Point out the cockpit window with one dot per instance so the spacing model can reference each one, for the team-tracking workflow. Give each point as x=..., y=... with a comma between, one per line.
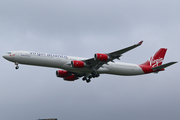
x=8, y=53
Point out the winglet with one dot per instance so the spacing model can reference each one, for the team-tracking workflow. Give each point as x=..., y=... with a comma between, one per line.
x=140, y=43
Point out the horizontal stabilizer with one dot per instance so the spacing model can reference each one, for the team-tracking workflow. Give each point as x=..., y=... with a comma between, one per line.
x=163, y=66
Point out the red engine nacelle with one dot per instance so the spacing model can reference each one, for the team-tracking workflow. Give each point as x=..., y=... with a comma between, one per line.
x=70, y=78
x=101, y=57
x=77, y=64
x=62, y=73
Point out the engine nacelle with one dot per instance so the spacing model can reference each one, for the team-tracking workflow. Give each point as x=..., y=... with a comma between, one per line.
x=78, y=64
x=70, y=78
x=62, y=73
x=101, y=57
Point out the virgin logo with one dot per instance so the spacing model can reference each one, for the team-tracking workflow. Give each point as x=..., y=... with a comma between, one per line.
x=156, y=62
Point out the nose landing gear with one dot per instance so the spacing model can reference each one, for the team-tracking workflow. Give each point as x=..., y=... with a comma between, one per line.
x=17, y=67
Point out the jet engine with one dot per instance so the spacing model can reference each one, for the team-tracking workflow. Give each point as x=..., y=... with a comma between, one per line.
x=101, y=57
x=62, y=73
x=66, y=75
x=77, y=64
x=70, y=78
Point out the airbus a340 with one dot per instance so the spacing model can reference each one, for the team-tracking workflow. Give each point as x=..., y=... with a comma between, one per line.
x=74, y=68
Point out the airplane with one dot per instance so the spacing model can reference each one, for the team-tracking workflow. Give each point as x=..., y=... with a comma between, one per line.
x=74, y=68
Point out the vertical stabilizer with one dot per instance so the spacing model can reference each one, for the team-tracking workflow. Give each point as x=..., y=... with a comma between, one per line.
x=156, y=59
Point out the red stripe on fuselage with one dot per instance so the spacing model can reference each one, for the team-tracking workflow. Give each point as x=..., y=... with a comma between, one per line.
x=146, y=69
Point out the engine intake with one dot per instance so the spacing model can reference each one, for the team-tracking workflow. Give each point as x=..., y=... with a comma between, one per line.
x=62, y=73
x=101, y=57
x=66, y=75
x=78, y=64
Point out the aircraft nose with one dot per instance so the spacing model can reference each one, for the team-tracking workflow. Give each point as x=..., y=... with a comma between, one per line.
x=4, y=56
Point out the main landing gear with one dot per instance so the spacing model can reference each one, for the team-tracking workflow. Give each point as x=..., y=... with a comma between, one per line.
x=17, y=67
x=87, y=79
x=92, y=75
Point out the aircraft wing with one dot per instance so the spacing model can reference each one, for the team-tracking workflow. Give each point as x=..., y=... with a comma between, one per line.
x=120, y=52
x=95, y=64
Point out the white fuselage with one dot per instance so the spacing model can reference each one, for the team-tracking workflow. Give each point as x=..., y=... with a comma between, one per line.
x=63, y=62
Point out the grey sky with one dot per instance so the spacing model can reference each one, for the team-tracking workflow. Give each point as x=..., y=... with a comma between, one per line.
x=82, y=28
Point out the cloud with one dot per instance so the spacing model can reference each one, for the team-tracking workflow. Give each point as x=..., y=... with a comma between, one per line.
x=82, y=28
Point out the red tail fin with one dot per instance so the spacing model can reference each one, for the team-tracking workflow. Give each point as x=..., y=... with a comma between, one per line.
x=156, y=59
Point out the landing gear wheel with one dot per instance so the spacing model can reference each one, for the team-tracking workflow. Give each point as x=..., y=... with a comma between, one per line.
x=88, y=80
x=90, y=76
x=95, y=74
x=84, y=78
x=17, y=67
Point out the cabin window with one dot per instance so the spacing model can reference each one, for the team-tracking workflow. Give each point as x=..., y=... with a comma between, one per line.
x=8, y=53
